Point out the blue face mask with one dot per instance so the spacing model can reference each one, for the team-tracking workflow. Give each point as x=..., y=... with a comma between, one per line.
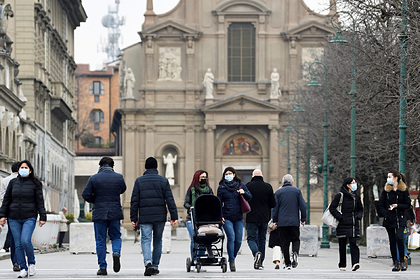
x=353, y=187
x=24, y=172
x=229, y=177
x=390, y=181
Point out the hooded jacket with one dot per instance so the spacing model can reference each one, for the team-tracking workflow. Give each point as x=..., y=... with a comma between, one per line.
x=23, y=200
x=351, y=213
x=396, y=217
x=103, y=190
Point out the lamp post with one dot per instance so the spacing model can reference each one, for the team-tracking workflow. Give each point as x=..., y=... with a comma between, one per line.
x=339, y=39
x=324, y=243
x=403, y=89
x=288, y=129
x=298, y=99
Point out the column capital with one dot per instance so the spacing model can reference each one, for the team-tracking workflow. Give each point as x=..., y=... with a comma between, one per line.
x=209, y=127
x=274, y=127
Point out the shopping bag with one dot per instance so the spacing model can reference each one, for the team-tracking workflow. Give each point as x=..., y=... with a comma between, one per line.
x=328, y=218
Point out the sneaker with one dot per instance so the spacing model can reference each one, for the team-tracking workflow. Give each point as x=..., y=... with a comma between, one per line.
x=232, y=266
x=16, y=267
x=31, y=270
x=23, y=274
x=101, y=271
x=277, y=266
x=155, y=271
x=342, y=269
x=2, y=251
x=403, y=266
x=117, y=263
x=257, y=260
x=294, y=259
x=287, y=267
x=355, y=267
x=148, y=270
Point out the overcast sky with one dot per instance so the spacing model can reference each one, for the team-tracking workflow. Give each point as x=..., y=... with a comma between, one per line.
x=91, y=35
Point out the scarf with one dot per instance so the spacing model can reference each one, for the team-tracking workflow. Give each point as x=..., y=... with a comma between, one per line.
x=202, y=189
x=232, y=185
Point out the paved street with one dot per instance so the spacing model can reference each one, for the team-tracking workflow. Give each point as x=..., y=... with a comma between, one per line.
x=63, y=265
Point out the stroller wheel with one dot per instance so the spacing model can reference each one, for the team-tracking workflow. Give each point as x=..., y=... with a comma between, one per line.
x=198, y=267
x=188, y=264
x=224, y=267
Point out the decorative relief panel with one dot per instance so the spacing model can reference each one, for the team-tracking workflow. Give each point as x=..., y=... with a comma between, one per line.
x=170, y=64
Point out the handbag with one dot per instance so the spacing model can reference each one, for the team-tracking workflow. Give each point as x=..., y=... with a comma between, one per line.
x=328, y=218
x=245, y=207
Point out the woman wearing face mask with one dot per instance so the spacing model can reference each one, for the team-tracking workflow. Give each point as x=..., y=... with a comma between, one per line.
x=199, y=186
x=229, y=192
x=22, y=203
x=348, y=226
x=394, y=200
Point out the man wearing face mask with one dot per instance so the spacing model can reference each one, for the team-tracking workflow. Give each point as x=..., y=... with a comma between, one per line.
x=348, y=227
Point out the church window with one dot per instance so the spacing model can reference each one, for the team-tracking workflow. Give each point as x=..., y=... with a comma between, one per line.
x=97, y=89
x=241, y=52
x=96, y=117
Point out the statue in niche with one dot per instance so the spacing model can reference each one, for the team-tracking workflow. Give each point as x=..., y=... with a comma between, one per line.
x=170, y=64
x=169, y=160
x=208, y=83
x=129, y=81
x=275, y=86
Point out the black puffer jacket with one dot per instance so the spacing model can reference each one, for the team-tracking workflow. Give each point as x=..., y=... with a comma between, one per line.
x=351, y=213
x=23, y=200
x=396, y=217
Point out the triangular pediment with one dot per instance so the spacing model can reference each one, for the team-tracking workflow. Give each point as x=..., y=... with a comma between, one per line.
x=170, y=29
x=240, y=102
x=309, y=29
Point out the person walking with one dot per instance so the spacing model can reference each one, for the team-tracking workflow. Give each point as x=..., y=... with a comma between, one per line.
x=229, y=192
x=9, y=243
x=63, y=227
x=286, y=217
x=199, y=186
x=22, y=203
x=257, y=220
x=348, y=227
x=103, y=190
x=394, y=200
x=151, y=195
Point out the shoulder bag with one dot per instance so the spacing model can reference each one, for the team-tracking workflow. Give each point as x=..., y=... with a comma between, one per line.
x=328, y=218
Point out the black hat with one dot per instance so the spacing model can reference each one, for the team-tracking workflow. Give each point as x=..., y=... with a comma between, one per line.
x=151, y=163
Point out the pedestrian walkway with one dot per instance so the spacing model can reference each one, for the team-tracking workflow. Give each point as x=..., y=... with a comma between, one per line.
x=63, y=265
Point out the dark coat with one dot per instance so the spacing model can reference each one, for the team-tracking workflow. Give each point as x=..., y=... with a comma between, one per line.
x=289, y=202
x=230, y=199
x=23, y=200
x=188, y=201
x=396, y=217
x=103, y=190
x=151, y=194
x=262, y=201
x=351, y=213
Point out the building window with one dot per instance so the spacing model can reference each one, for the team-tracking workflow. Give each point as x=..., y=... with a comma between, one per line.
x=97, y=89
x=99, y=141
x=96, y=117
x=241, y=52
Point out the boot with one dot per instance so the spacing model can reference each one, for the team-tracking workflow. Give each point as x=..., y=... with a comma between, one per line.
x=232, y=266
x=403, y=266
x=396, y=266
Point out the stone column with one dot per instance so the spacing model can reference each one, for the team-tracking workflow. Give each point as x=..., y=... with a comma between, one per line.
x=221, y=49
x=274, y=155
x=210, y=153
x=150, y=141
x=189, y=155
x=129, y=168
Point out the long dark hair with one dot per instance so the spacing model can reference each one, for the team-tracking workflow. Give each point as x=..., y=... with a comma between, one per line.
x=399, y=176
x=32, y=173
x=196, y=179
x=347, y=181
x=231, y=169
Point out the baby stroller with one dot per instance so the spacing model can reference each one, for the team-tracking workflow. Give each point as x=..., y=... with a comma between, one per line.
x=206, y=218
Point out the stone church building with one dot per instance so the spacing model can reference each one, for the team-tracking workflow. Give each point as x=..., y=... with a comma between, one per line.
x=214, y=85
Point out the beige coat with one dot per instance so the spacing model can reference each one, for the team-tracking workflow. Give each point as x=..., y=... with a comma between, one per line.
x=63, y=223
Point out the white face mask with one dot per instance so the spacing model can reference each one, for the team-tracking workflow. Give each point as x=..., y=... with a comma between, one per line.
x=229, y=177
x=390, y=181
x=353, y=187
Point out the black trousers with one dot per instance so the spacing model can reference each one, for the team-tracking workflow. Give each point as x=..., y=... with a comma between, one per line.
x=287, y=235
x=396, y=238
x=354, y=251
x=61, y=238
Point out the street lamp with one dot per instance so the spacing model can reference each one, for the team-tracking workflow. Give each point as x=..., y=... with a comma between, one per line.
x=403, y=88
x=339, y=39
x=298, y=99
x=324, y=243
x=288, y=129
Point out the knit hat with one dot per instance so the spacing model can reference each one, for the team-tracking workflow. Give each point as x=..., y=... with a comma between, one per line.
x=151, y=163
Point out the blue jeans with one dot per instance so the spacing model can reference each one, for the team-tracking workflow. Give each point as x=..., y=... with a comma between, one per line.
x=190, y=229
x=113, y=229
x=256, y=236
x=22, y=233
x=234, y=231
x=149, y=231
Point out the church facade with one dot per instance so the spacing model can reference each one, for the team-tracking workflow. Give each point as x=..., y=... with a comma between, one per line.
x=214, y=85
